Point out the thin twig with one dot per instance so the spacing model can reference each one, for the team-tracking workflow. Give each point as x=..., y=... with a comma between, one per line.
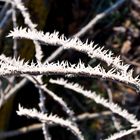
x=34, y=127
x=99, y=17
x=14, y=25
x=109, y=92
x=5, y=19
x=23, y=130
x=88, y=26
x=13, y=91
x=43, y=110
x=89, y=116
x=51, y=119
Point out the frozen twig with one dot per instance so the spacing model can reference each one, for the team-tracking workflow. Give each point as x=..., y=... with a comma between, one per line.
x=50, y=119
x=38, y=56
x=20, y=6
x=74, y=43
x=98, y=99
x=109, y=92
x=56, y=98
x=14, y=90
x=17, y=68
x=34, y=127
x=14, y=25
x=20, y=131
x=43, y=110
x=123, y=133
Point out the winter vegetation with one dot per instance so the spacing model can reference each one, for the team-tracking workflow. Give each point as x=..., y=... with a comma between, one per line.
x=50, y=75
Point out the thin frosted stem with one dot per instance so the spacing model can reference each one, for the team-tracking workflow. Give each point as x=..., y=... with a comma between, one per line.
x=14, y=25
x=17, y=68
x=13, y=91
x=53, y=95
x=98, y=99
x=43, y=110
x=50, y=119
x=93, y=51
x=109, y=92
x=122, y=133
x=26, y=16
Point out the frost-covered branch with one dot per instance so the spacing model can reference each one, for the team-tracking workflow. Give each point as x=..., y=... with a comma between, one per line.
x=15, y=67
x=42, y=107
x=122, y=133
x=53, y=95
x=27, y=19
x=98, y=99
x=93, y=51
x=50, y=119
x=14, y=19
x=39, y=54
x=17, y=63
x=13, y=91
x=26, y=16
